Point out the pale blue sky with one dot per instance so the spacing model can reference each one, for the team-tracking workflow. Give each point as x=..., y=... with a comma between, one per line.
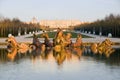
x=84, y=10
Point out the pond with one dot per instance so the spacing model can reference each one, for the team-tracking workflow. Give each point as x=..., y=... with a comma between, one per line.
x=70, y=64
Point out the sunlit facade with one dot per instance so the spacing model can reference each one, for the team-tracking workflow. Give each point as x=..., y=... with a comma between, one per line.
x=55, y=23
x=59, y=23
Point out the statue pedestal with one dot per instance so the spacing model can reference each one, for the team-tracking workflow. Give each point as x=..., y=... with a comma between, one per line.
x=19, y=34
x=100, y=34
x=25, y=33
x=89, y=32
x=33, y=32
x=29, y=32
x=109, y=35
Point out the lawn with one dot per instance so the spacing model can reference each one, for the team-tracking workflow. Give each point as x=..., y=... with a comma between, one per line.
x=52, y=34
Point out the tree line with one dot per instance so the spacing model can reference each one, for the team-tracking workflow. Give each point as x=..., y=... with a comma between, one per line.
x=14, y=26
x=110, y=24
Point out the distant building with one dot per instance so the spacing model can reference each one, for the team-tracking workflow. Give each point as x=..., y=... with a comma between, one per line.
x=59, y=23
x=55, y=23
x=33, y=21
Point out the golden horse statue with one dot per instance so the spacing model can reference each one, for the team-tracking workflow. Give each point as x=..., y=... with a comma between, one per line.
x=78, y=42
x=12, y=52
x=11, y=41
x=104, y=47
x=47, y=40
x=62, y=40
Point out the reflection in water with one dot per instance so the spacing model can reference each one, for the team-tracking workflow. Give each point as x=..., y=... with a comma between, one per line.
x=109, y=56
x=68, y=64
x=104, y=47
x=67, y=54
x=107, y=51
x=13, y=54
x=39, y=54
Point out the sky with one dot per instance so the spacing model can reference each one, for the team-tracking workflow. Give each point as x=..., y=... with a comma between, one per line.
x=83, y=10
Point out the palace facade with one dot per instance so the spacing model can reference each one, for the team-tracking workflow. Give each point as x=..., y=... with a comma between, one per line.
x=59, y=23
x=55, y=23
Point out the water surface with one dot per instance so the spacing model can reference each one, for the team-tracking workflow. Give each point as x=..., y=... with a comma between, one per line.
x=75, y=64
